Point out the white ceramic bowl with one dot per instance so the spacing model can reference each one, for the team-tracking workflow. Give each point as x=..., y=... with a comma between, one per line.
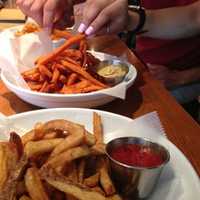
x=87, y=100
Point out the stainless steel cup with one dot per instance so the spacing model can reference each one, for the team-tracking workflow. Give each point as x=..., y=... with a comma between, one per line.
x=135, y=182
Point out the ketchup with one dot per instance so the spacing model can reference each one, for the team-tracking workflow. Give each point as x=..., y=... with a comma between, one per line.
x=137, y=155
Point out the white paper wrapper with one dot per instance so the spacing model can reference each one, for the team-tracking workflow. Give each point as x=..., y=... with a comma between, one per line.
x=7, y=126
x=147, y=126
x=19, y=53
x=29, y=47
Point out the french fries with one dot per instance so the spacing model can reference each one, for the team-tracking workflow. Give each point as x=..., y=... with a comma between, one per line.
x=32, y=28
x=72, y=172
x=81, y=169
x=99, y=147
x=65, y=70
x=73, y=140
x=68, y=156
x=21, y=188
x=77, y=190
x=24, y=197
x=5, y=165
x=106, y=182
x=98, y=131
x=58, y=159
x=29, y=136
x=28, y=28
x=92, y=181
x=34, y=185
x=8, y=160
x=36, y=148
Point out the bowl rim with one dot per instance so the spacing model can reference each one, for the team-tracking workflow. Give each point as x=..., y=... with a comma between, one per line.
x=137, y=167
x=30, y=92
x=128, y=84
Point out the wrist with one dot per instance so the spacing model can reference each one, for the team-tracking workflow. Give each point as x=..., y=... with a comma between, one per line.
x=133, y=20
x=137, y=18
x=189, y=76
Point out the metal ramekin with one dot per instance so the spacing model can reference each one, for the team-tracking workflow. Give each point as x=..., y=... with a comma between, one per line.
x=132, y=181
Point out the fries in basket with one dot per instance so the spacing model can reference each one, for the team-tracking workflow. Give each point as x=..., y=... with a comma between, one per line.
x=33, y=28
x=58, y=160
x=65, y=70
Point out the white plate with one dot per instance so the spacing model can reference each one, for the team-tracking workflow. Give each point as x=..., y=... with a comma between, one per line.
x=86, y=100
x=178, y=181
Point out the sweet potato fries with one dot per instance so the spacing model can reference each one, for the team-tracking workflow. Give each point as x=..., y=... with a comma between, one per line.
x=65, y=70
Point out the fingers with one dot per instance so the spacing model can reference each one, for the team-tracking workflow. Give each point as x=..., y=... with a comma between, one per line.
x=91, y=11
x=43, y=11
x=107, y=22
x=24, y=5
x=101, y=21
x=27, y=4
x=18, y=2
x=36, y=11
x=109, y=28
x=63, y=16
x=99, y=18
x=48, y=14
x=31, y=8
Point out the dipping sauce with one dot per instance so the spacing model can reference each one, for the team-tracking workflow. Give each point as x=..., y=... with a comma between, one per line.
x=137, y=155
x=112, y=71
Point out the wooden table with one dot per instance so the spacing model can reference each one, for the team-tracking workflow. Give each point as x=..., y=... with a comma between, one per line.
x=145, y=96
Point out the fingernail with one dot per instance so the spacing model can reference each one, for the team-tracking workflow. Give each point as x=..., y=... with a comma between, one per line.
x=89, y=31
x=82, y=28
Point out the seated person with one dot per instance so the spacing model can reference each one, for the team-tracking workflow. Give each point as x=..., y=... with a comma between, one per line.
x=172, y=56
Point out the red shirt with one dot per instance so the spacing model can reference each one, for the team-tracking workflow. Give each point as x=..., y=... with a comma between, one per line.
x=180, y=53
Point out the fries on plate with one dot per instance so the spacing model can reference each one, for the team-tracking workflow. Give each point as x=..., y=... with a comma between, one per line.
x=58, y=159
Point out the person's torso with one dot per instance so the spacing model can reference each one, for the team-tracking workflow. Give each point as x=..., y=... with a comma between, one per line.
x=168, y=52
x=158, y=4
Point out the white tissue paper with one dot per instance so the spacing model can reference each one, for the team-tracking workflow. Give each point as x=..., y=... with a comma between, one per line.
x=18, y=54
x=147, y=126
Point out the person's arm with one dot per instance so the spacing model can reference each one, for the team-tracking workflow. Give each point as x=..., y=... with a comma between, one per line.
x=171, y=78
x=46, y=12
x=170, y=23
x=190, y=75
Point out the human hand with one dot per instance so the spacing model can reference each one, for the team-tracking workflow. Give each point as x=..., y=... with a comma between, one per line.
x=167, y=76
x=45, y=12
x=104, y=16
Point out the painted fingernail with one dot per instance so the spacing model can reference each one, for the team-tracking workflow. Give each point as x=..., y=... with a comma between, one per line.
x=82, y=28
x=89, y=31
